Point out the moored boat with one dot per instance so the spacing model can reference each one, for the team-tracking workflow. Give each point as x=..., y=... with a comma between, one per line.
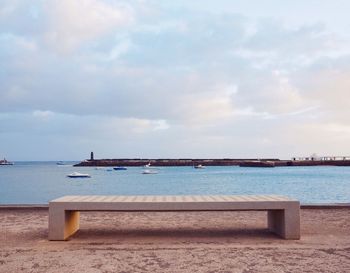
x=199, y=166
x=148, y=166
x=78, y=175
x=120, y=168
x=5, y=162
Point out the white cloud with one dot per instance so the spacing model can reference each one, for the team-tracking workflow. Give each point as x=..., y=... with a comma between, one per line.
x=204, y=109
x=250, y=112
x=341, y=129
x=73, y=23
x=116, y=52
x=144, y=73
x=43, y=115
x=17, y=42
x=329, y=84
x=14, y=93
x=8, y=7
x=322, y=138
x=161, y=125
x=167, y=26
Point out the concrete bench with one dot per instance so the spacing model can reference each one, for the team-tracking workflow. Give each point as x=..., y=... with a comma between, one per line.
x=283, y=213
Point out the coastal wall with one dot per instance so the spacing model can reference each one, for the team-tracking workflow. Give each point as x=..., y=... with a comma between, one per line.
x=291, y=163
x=136, y=162
x=165, y=162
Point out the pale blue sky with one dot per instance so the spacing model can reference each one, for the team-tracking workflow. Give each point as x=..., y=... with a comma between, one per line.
x=174, y=79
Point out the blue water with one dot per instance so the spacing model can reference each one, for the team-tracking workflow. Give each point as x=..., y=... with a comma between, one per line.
x=39, y=182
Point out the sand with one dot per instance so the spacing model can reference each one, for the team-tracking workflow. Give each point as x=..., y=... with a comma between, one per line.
x=175, y=242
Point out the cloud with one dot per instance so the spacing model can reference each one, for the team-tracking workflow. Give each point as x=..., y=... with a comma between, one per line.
x=75, y=23
x=328, y=82
x=7, y=8
x=44, y=131
x=43, y=115
x=146, y=73
x=167, y=74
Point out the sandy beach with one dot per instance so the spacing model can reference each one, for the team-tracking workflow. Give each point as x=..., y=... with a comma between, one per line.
x=175, y=242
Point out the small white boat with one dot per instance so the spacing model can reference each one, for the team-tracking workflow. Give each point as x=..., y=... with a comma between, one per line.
x=148, y=166
x=78, y=175
x=199, y=166
x=149, y=172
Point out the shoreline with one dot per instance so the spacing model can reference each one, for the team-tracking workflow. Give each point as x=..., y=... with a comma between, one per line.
x=302, y=206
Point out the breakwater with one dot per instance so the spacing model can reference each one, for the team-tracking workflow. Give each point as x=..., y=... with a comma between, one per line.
x=136, y=162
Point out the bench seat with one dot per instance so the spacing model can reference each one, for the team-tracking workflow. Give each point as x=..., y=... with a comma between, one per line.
x=283, y=212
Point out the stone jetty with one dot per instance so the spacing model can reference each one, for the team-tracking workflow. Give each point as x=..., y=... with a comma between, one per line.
x=252, y=162
x=137, y=162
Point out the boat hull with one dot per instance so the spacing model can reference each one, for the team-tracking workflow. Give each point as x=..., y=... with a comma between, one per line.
x=79, y=176
x=120, y=168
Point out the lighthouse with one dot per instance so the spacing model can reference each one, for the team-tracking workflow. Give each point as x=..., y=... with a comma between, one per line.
x=92, y=156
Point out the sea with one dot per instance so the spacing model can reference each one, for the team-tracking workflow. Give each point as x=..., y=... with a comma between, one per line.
x=40, y=182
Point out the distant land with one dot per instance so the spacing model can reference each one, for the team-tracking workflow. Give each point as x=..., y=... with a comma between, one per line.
x=250, y=162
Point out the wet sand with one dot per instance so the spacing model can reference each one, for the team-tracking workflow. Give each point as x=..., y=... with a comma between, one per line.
x=175, y=242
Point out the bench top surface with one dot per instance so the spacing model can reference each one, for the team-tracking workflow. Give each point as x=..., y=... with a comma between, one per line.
x=171, y=199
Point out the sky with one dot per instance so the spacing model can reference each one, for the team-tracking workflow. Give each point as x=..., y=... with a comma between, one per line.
x=174, y=79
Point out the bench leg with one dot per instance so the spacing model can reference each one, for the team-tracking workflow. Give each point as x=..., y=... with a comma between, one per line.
x=62, y=224
x=285, y=223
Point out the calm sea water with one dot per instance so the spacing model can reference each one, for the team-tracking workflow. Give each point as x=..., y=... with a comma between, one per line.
x=39, y=182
